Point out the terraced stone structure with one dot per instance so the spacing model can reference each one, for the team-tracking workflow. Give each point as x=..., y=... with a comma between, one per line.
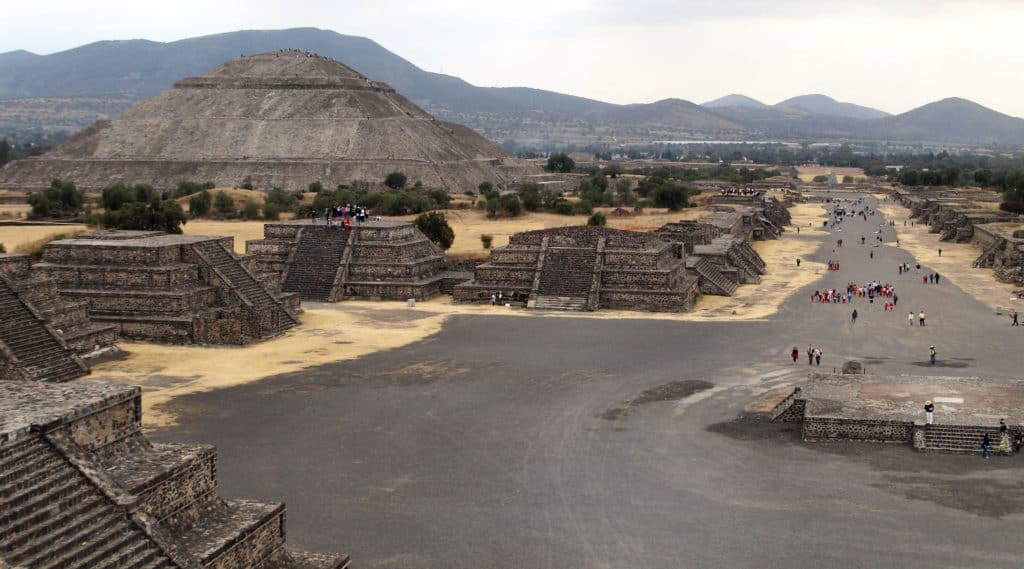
x=30, y=347
x=868, y=408
x=380, y=260
x=721, y=261
x=962, y=220
x=585, y=268
x=83, y=488
x=170, y=288
x=281, y=119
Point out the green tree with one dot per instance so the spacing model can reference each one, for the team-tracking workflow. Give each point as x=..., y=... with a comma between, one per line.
x=560, y=162
x=223, y=204
x=435, y=226
x=485, y=188
x=251, y=210
x=271, y=211
x=62, y=198
x=598, y=218
x=485, y=239
x=529, y=193
x=672, y=196
x=395, y=180
x=199, y=204
x=186, y=188
x=511, y=205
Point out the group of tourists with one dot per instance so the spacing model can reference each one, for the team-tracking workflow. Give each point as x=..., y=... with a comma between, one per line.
x=1006, y=442
x=920, y=318
x=871, y=291
x=740, y=191
x=813, y=355
x=342, y=215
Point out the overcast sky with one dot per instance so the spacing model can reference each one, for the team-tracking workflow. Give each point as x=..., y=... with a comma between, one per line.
x=890, y=54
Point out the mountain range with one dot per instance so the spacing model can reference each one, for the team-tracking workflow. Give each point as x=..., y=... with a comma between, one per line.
x=70, y=89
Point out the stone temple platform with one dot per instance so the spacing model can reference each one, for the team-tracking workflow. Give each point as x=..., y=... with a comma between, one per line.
x=175, y=288
x=891, y=409
x=83, y=488
x=380, y=260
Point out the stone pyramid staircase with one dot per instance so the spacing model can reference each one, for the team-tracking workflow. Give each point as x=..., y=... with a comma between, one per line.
x=566, y=278
x=40, y=354
x=54, y=517
x=274, y=319
x=315, y=262
x=960, y=438
x=712, y=281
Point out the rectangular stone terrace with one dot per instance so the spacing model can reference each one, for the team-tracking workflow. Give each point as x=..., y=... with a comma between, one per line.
x=47, y=405
x=866, y=408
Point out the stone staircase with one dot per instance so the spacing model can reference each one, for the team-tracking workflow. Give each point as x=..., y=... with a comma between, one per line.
x=274, y=319
x=747, y=251
x=566, y=303
x=54, y=517
x=315, y=262
x=41, y=355
x=960, y=438
x=712, y=280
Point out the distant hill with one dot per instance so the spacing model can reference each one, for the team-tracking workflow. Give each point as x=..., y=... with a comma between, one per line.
x=41, y=93
x=825, y=105
x=950, y=120
x=733, y=100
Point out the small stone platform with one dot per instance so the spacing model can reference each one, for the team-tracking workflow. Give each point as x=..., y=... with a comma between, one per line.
x=891, y=409
x=378, y=260
x=172, y=288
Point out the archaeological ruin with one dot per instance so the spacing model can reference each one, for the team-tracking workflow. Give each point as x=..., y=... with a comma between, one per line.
x=869, y=408
x=381, y=260
x=170, y=288
x=281, y=119
x=585, y=268
x=83, y=488
x=964, y=217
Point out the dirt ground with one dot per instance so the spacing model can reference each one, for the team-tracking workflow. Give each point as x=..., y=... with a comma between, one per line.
x=15, y=236
x=240, y=230
x=956, y=262
x=807, y=173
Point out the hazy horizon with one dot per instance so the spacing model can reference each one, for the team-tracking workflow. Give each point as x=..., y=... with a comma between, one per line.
x=871, y=53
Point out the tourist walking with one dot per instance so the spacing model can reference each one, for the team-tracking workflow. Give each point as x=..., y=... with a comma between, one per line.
x=910, y=319
x=1013, y=319
x=929, y=412
x=817, y=356
x=795, y=354
x=810, y=355
x=985, y=443
x=931, y=354
x=920, y=318
x=853, y=317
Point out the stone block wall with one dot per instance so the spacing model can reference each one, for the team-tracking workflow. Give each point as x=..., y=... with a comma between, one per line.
x=825, y=429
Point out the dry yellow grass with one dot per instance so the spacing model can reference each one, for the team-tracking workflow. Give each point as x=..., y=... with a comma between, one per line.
x=240, y=230
x=956, y=263
x=18, y=237
x=470, y=224
x=14, y=211
x=807, y=173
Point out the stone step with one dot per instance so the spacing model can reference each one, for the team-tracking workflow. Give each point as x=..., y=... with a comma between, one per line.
x=234, y=528
x=560, y=303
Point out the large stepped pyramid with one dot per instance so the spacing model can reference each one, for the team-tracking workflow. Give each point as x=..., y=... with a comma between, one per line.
x=82, y=487
x=585, y=268
x=280, y=119
x=174, y=288
x=374, y=260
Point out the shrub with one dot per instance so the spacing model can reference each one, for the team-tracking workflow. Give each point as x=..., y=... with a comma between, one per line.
x=61, y=198
x=485, y=188
x=436, y=228
x=251, y=211
x=246, y=184
x=820, y=179
x=395, y=180
x=2, y=248
x=440, y=197
x=271, y=211
x=281, y=199
x=583, y=206
x=563, y=207
x=560, y=163
x=486, y=240
x=316, y=187
x=510, y=204
x=598, y=218
x=223, y=204
x=529, y=193
x=158, y=215
x=199, y=204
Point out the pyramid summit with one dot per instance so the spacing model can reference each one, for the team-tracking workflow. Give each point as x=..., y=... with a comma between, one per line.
x=281, y=119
